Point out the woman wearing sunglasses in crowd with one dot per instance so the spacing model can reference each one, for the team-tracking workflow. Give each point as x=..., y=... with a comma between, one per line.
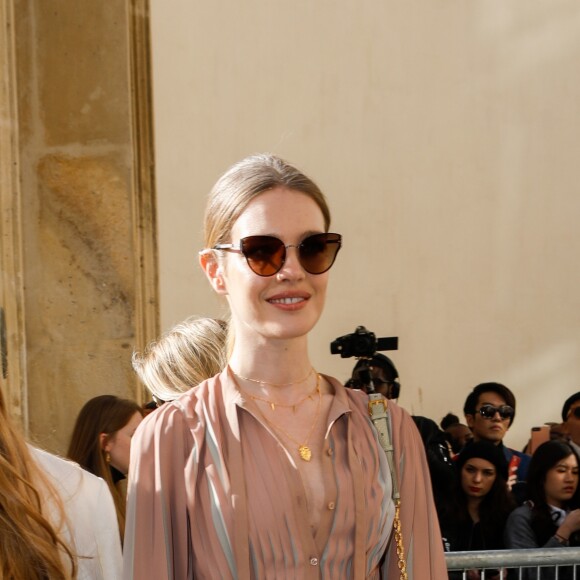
x=271, y=468
x=550, y=518
x=473, y=514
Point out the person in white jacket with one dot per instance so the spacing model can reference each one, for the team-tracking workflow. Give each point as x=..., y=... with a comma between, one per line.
x=91, y=525
x=56, y=520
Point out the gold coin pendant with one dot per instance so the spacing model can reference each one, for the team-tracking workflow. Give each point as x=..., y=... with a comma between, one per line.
x=305, y=452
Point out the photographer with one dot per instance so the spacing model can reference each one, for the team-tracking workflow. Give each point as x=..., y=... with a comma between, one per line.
x=379, y=370
x=377, y=373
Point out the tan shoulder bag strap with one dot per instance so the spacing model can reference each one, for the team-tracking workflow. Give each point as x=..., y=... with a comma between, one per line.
x=380, y=418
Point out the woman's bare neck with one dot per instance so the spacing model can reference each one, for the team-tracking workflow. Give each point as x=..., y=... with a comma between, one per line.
x=278, y=361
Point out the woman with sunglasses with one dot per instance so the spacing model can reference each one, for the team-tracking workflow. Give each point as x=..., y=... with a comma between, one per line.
x=271, y=468
x=473, y=514
x=550, y=518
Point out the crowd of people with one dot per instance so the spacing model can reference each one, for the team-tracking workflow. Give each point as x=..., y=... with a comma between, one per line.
x=489, y=496
x=249, y=461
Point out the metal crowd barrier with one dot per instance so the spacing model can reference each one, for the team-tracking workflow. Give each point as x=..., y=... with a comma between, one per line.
x=522, y=564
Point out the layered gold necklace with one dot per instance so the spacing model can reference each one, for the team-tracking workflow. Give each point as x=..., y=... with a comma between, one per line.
x=303, y=449
x=261, y=382
x=274, y=404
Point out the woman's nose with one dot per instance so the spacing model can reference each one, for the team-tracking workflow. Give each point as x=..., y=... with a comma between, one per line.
x=291, y=269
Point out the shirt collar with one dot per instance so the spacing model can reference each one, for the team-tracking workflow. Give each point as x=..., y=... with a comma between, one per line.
x=558, y=515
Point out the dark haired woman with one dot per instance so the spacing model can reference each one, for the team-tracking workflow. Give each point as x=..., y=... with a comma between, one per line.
x=475, y=514
x=550, y=518
x=101, y=443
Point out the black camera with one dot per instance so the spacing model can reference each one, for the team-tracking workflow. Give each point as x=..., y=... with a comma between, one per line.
x=362, y=344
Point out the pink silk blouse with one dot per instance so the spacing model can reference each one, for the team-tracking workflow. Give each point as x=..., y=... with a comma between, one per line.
x=214, y=494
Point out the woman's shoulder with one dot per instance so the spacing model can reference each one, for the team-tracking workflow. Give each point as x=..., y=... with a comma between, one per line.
x=521, y=513
x=358, y=402
x=91, y=520
x=66, y=474
x=354, y=399
x=75, y=485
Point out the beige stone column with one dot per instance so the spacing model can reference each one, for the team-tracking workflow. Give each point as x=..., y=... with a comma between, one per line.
x=84, y=212
x=12, y=336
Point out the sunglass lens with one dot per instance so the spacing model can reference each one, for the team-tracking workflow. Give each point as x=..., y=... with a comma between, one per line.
x=264, y=254
x=576, y=412
x=318, y=252
x=487, y=411
x=506, y=412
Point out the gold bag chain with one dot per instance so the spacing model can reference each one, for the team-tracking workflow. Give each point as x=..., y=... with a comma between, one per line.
x=380, y=419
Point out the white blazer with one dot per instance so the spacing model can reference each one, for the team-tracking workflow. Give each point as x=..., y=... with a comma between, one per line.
x=91, y=528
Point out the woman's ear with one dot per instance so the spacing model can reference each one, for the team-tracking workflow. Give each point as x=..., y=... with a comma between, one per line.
x=469, y=419
x=213, y=270
x=104, y=441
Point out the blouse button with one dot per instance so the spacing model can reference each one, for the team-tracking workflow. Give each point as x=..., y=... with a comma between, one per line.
x=331, y=505
x=314, y=561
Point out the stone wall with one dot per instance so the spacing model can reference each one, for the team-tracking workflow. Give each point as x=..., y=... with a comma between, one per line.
x=87, y=225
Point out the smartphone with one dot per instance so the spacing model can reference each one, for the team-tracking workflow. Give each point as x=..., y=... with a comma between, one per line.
x=539, y=435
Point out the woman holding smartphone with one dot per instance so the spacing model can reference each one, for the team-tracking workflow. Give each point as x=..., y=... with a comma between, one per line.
x=272, y=468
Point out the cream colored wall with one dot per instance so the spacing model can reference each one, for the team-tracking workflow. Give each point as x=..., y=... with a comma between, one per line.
x=447, y=138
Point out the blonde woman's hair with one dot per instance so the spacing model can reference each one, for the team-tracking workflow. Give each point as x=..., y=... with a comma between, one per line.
x=30, y=547
x=243, y=182
x=186, y=355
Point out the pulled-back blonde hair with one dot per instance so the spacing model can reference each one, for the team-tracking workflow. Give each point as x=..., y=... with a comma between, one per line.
x=189, y=353
x=30, y=547
x=243, y=182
